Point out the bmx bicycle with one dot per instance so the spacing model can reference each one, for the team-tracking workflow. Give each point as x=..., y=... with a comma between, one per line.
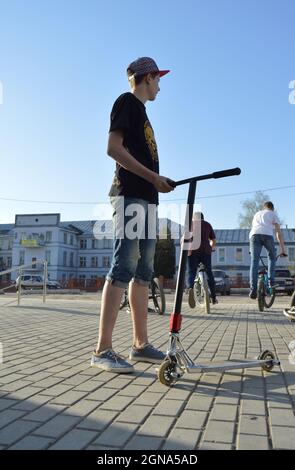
x=177, y=360
x=156, y=294
x=266, y=293
x=201, y=289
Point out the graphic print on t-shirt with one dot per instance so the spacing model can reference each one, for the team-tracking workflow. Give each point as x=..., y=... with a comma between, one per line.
x=150, y=140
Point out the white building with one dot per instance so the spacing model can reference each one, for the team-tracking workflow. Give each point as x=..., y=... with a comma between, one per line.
x=74, y=252
x=70, y=248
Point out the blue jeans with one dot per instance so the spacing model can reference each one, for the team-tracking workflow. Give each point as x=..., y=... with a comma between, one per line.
x=193, y=262
x=132, y=258
x=257, y=242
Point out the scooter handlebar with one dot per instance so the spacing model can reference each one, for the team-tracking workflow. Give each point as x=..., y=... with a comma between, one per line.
x=225, y=173
x=216, y=174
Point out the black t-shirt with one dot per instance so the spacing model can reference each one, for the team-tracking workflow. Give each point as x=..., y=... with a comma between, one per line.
x=129, y=115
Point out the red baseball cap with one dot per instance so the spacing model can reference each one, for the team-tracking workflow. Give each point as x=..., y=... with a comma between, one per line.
x=145, y=65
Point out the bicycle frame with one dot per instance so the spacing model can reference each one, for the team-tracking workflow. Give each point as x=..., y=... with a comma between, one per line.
x=152, y=296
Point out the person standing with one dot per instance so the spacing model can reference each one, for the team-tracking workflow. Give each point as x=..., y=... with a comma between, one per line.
x=136, y=184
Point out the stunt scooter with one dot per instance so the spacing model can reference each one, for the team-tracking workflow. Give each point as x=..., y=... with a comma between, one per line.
x=177, y=360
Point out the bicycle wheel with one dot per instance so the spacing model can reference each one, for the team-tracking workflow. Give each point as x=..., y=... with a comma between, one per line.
x=269, y=297
x=205, y=288
x=158, y=296
x=197, y=290
x=260, y=295
x=125, y=301
x=201, y=289
x=293, y=299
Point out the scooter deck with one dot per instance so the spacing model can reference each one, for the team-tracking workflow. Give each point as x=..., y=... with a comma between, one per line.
x=230, y=365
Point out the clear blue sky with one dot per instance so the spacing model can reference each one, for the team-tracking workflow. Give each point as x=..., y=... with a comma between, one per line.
x=225, y=103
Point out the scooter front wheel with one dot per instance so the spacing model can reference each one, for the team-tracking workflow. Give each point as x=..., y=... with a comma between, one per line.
x=166, y=369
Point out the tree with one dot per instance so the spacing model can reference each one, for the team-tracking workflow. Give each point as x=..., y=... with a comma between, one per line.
x=250, y=207
x=164, y=262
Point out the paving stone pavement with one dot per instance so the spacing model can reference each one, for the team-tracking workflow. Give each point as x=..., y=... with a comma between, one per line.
x=50, y=397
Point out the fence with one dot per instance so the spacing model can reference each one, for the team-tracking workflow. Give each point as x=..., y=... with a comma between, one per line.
x=20, y=269
x=94, y=285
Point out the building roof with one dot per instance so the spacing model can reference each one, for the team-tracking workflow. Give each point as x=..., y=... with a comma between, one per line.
x=242, y=235
x=86, y=227
x=6, y=228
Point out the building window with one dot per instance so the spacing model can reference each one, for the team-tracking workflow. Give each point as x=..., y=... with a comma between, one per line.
x=82, y=280
x=292, y=254
x=15, y=236
x=9, y=261
x=72, y=259
x=83, y=244
x=239, y=255
x=221, y=255
x=94, y=261
x=65, y=238
x=48, y=257
x=48, y=237
x=82, y=261
x=94, y=244
x=106, y=262
x=71, y=239
x=64, y=277
x=105, y=243
x=10, y=244
x=65, y=258
x=21, y=257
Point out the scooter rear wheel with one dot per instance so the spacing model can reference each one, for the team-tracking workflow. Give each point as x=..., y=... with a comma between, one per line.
x=267, y=355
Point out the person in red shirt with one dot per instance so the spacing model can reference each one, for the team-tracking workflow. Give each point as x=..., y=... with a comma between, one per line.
x=204, y=237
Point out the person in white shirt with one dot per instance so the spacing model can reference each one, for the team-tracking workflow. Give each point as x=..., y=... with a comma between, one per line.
x=264, y=224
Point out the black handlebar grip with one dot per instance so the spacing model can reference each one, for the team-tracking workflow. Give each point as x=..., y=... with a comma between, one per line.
x=171, y=183
x=224, y=173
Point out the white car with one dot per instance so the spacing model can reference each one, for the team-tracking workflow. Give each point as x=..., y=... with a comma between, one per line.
x=35, y=281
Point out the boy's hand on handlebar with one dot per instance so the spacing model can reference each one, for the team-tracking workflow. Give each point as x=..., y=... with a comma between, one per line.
x=162, y=185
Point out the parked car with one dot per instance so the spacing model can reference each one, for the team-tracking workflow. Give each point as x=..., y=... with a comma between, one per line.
x=35, y=281
x=222, y=282
x=284, y=282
